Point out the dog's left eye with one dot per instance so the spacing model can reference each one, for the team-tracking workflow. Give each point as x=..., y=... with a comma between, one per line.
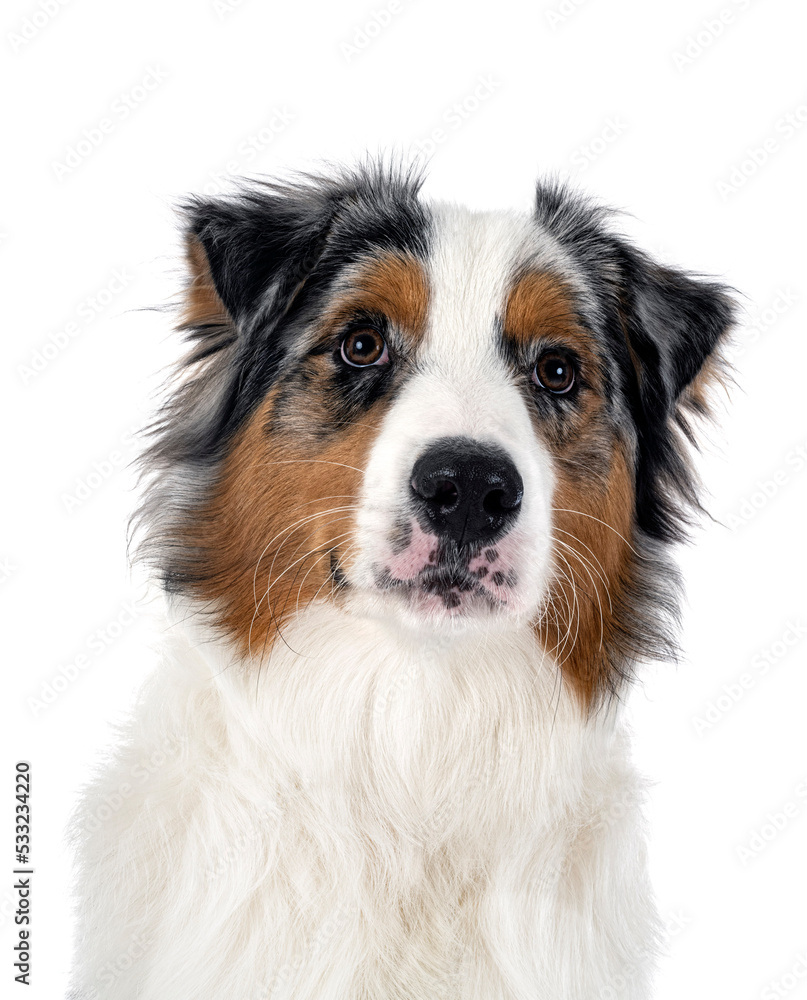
x=554, y=371
x=362, y=348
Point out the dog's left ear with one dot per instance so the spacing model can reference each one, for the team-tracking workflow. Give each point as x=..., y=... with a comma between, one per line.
x=667, y=327
x=673, y=324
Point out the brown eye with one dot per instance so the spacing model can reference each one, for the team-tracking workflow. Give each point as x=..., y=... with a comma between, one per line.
x=554, y=371
x=364, y=347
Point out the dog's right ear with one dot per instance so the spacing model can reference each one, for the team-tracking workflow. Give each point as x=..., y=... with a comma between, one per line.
x=248, y=254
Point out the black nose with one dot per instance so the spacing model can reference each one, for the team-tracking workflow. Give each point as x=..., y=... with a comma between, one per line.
x=469, y=492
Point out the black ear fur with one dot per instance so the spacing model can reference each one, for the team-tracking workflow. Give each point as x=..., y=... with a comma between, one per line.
x=673, y=325
x=665, y=326
x=264, y=238
x=259, y=260
x=265, y=241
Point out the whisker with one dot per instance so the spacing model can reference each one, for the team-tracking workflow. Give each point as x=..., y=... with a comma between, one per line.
x=277, y=580
x=601, y=574
x=289, y=528
x=265, y=594
x=271, y=584
x=312, y=461
x=329, y=577
x=558, y=620
x=269, y=587
x=285, y=540
x=565, y=642
x=594, y=585
x=333, y=496
x=564, y=510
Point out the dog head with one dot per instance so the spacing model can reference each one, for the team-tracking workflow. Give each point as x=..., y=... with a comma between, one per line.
x=434, y=416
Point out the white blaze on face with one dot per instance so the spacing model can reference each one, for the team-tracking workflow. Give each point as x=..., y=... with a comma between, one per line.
x=462, y=388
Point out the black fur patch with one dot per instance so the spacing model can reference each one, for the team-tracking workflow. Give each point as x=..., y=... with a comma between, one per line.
x=274, y=250
x=660, y=326
x=274, y=253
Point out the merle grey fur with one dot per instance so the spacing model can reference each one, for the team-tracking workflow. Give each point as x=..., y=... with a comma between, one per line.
x=275, y=250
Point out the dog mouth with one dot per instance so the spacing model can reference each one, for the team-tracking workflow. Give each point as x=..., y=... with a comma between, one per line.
x=453, y=580
x=445, y=584
x=449, y=585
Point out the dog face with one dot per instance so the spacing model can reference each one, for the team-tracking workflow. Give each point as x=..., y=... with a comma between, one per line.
x=454, y=514
x=441, y=418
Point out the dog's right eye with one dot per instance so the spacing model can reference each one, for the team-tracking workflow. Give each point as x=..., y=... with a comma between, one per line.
x=364, y=347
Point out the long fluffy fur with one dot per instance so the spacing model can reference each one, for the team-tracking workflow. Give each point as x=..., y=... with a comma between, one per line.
x=375, y=808
x=297, y=863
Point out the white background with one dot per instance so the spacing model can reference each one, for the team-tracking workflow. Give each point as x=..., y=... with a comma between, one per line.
x=663, y=110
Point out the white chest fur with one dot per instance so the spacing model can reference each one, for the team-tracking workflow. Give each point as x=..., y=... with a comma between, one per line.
x=368, y=816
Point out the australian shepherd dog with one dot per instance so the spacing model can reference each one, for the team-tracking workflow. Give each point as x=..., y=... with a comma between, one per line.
x=411, y=498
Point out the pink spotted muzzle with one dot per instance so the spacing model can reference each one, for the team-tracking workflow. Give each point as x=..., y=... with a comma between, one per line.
x=452, y=551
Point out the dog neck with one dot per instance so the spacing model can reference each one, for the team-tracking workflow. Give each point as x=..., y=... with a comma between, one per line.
x=427, y=734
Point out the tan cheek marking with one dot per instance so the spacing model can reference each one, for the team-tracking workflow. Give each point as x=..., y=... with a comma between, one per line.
x=598, y=567
x=394, y=285
x=266, y=486
x=594, y=498
x=268, y=483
